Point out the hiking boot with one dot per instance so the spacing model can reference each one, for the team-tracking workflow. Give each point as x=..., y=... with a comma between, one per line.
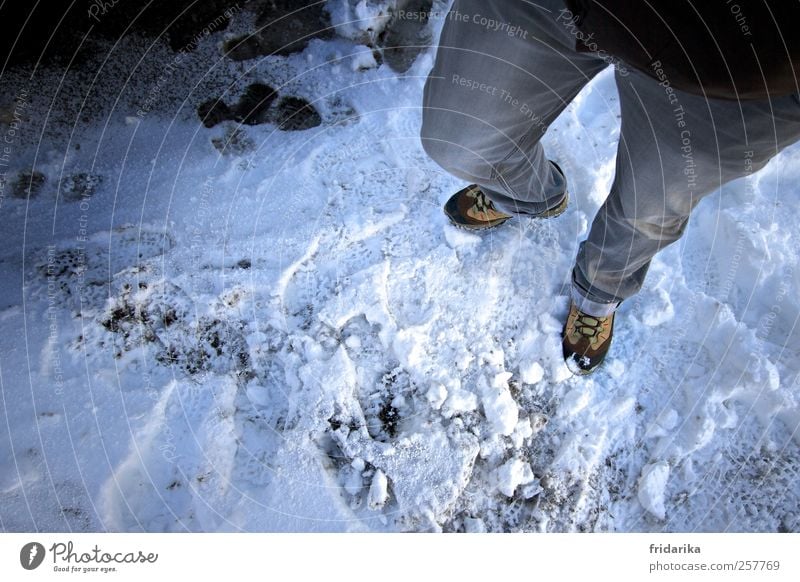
x=585, y=340
x=471, y=209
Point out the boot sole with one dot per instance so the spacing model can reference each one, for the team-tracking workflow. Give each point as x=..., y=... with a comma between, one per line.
x=451, y=210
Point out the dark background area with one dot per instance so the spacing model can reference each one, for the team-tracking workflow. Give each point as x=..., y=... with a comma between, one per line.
x=53, y=30
x=64, y=31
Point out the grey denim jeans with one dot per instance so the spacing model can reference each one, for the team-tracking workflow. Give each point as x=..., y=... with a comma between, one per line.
x=504, y=71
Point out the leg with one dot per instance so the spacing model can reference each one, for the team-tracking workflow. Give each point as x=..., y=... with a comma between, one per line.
x=675, y=148
x=504, y=71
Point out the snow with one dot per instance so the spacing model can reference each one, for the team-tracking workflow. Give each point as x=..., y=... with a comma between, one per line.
x=290, y=336
x=437, y=394
x=575, y=401
x=363, y=59
x=532, y=372
x=511, y=475
x=499, y=406
x=360, y=20
x=652, y=484
x=378, y=490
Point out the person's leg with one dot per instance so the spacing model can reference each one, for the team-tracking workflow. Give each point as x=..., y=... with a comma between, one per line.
x=504, y=71
x=674, y=149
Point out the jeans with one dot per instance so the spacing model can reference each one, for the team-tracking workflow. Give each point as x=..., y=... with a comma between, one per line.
x=504, y=71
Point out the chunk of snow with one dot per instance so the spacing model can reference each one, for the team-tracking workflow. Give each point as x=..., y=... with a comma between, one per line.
x=353, y=342
x=498, y=404
x=662, y=424
x=531, y=489
x=358, y=20
x=436, y=396
x=652, y=484
x=495, y=358
x=459, y=401
x=559, y=371
x=512, y=474
x=522, y=431
x=363, y=59
x=353, y=483
x=531, y=373
x=378, y=490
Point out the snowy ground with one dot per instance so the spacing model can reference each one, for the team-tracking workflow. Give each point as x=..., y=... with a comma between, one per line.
x=290, y=336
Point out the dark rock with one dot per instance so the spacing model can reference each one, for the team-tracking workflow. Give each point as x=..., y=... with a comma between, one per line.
x=294, y=113
x=199, y=21
x=28, y=185
x=242, y=48
x=214, y=111
x=252, y=107
x=283, y=27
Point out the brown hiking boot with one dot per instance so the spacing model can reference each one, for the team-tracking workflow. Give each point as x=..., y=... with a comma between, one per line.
x=585, y=340
x=470, y=208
